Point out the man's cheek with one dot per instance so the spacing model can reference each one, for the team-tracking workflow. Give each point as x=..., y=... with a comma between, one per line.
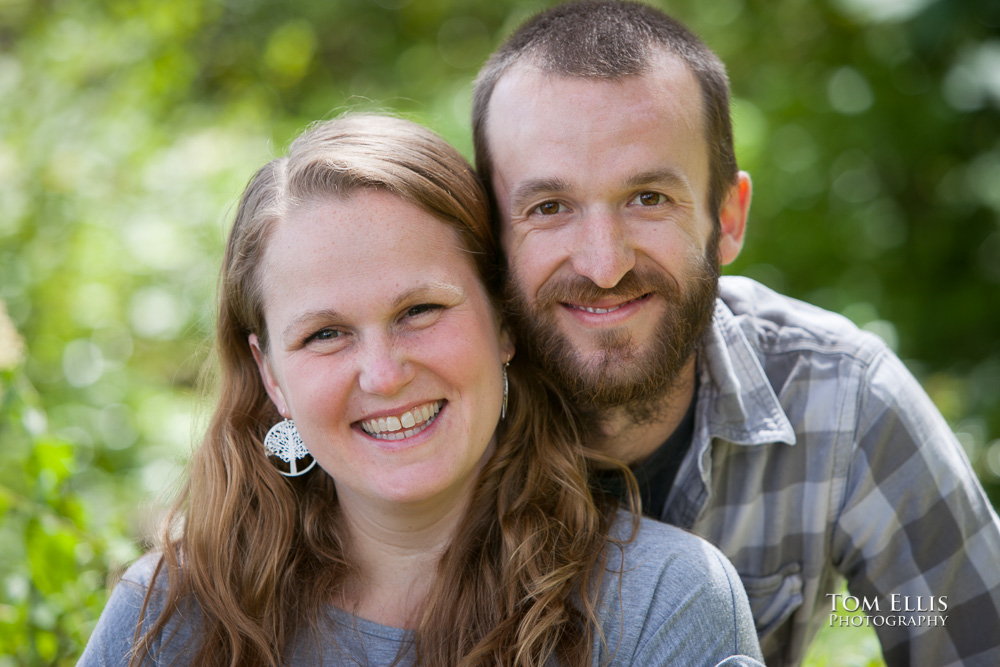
x=537, y=264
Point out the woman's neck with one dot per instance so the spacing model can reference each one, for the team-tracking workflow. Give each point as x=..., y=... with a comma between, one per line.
x=397, y=549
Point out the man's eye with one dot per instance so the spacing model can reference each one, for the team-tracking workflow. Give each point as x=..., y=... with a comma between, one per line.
x=421, y=309
x=550, y=208
x=648, y=199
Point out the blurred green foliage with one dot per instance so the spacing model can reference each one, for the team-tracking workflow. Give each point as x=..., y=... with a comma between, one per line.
x=128, y=128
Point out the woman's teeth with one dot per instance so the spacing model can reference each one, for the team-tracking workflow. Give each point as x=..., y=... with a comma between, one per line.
x=402, y=426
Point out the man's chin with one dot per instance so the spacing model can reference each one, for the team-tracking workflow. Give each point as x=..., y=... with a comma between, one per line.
x=615, y=367
x=609, y=347
x=590, y=361
x=611, y=379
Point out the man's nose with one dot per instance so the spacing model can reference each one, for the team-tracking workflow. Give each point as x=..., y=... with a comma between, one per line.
x=604, y=251
x=384, y=367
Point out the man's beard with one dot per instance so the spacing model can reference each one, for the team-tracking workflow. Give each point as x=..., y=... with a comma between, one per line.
x=624, y=375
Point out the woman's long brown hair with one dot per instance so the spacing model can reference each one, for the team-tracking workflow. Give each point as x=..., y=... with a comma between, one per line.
x=262, y=554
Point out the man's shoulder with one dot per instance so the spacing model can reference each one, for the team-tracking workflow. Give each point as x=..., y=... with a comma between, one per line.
x=777, y=322
x=771, y=366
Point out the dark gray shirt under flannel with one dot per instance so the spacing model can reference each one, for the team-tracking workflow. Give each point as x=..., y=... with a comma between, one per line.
x=817, y=457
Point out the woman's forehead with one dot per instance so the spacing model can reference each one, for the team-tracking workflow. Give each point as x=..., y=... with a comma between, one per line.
x=372, y=245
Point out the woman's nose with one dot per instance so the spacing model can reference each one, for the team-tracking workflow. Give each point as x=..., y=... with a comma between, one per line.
x=384, y=368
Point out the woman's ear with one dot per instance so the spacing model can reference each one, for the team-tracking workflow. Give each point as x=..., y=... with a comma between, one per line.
x=267, y=376
x=507, y=347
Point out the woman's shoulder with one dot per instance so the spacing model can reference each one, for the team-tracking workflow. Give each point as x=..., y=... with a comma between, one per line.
x=668, y=549
x=142, y=571
x=132, y=606
x=676, y=597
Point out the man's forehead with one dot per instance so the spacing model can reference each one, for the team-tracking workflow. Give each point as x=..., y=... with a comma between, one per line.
x=529, y=73
x=531, y=107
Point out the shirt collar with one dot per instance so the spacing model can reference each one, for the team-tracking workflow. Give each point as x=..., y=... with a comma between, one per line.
x=740, y=405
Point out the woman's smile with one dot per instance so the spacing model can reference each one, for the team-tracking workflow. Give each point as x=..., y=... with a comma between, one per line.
x=403, y=425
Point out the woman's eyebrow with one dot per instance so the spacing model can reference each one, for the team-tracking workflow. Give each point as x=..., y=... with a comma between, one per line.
x=289, y=333
x=433, y=289
x=436, y=289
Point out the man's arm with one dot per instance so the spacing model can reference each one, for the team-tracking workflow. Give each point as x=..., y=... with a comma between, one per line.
x=916, y=532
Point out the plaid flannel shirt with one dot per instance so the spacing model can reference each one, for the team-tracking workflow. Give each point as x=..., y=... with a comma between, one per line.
x=818, y=457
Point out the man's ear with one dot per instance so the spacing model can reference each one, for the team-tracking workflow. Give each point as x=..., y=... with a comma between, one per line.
x=733, y=218
x=267, y=377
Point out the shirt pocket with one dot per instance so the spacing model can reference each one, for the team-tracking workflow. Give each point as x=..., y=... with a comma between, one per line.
x=773, y=597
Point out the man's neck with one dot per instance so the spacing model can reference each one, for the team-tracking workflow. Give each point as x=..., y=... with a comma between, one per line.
x=632, y=441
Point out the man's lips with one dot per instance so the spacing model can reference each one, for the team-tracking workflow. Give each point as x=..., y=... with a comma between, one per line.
x=604, y=307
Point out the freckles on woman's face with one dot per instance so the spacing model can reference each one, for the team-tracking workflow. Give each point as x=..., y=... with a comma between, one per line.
x=384, y=347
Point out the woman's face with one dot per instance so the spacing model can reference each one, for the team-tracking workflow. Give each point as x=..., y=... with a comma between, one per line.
x=383, y=347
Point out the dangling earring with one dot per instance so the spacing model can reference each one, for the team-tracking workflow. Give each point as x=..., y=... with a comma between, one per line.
x=503, y=406
x=284, y=442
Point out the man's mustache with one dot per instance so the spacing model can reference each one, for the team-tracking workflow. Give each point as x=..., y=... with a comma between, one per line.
x=634, y=284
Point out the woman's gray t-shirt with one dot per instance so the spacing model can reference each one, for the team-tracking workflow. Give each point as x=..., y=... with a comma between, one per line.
x=678, y=601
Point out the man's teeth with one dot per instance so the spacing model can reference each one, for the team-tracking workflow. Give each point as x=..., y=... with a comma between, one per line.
x=601, y=311
x=402, y=426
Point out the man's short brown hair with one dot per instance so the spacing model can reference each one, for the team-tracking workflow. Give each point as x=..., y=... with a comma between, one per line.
x=611, y=40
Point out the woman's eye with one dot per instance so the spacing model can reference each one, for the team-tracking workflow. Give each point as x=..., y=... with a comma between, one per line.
x=324, y=334
x=648, y=199
x=549, y=208
x=421, y=309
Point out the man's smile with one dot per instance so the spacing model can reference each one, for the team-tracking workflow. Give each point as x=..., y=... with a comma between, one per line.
x=605, y=308
x=606, y=312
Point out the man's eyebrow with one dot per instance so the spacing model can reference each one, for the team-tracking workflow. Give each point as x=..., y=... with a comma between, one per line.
x=671, y=178
x=532, y=188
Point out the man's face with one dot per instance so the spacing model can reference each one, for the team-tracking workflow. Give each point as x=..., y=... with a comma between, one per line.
x=612, y=252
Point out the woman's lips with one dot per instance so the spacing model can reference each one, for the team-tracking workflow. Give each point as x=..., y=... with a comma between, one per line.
x=403, y=425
